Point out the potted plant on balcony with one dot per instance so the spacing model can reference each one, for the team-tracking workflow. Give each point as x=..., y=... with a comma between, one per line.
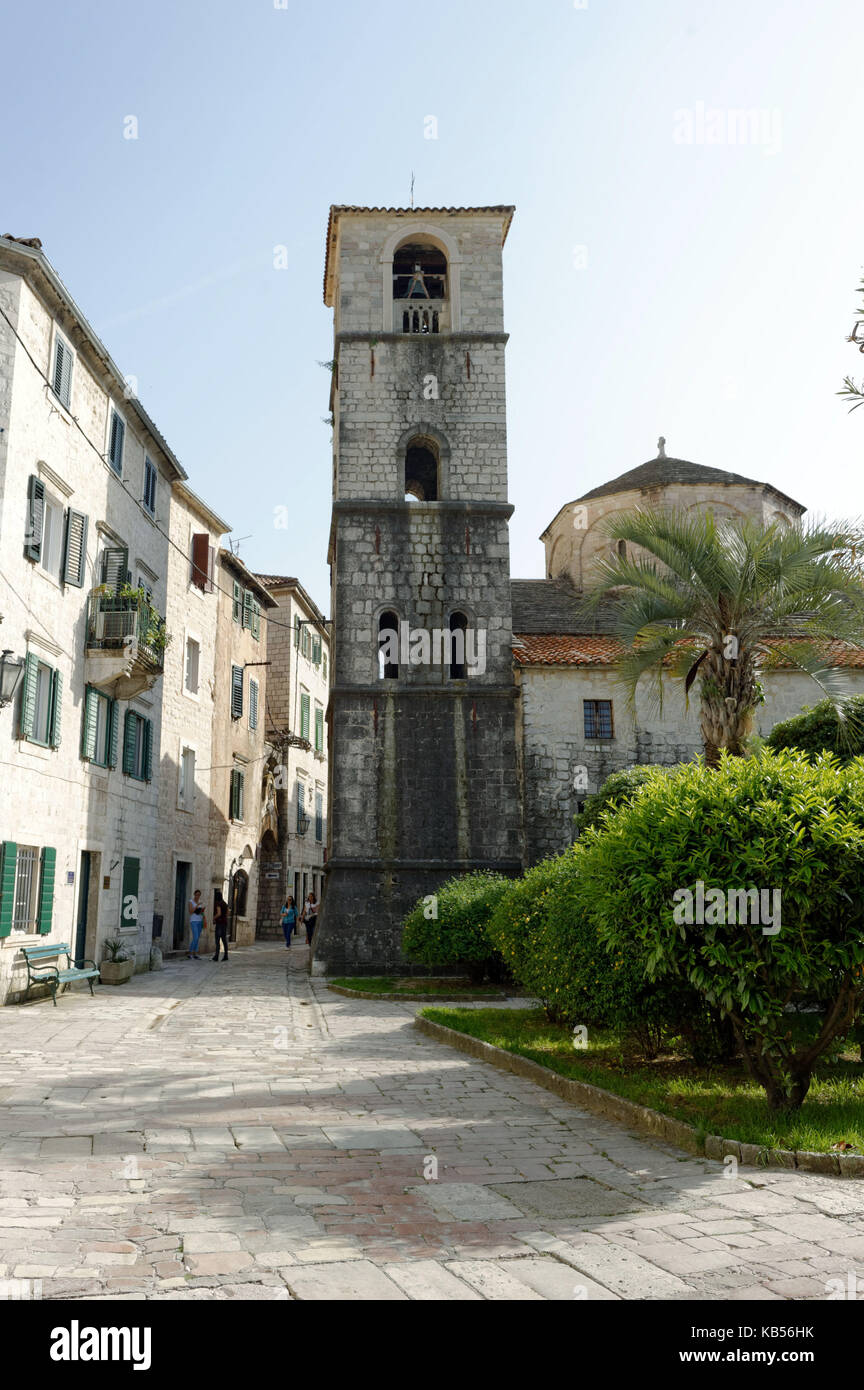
x=117, y=966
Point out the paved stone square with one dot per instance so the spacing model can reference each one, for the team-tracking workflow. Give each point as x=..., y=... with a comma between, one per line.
x=237, y=1131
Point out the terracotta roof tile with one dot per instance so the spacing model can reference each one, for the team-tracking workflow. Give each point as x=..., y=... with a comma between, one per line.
x=568, y=649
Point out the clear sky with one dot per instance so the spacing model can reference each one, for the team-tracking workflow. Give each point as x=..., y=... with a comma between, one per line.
x=663, y=275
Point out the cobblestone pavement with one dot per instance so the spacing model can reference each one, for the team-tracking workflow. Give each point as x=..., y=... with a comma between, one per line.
x=236, y=1131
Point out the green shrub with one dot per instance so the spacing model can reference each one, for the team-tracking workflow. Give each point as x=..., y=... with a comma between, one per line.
x=449, y=927
x=546, y=935
x=820, y=729
x=617, y=788
x=773, y=822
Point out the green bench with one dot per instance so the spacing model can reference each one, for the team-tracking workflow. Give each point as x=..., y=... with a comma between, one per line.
x=40, y=973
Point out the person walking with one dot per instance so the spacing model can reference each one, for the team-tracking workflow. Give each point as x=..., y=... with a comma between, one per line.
x=288, y=920
x=309, y=916
x=220, y=924
x=197, y=923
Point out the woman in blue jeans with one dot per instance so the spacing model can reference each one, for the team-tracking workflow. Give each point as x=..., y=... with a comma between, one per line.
x=288, y=918
x=196, y=923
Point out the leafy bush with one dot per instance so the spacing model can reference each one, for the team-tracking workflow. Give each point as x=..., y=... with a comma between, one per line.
x=456, y=933
x=773, y=822
x=820, y=729
x=617, y=788
x=544, y=930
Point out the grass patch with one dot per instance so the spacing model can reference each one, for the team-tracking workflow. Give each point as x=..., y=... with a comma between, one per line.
x=720, y=1100
x=415, y=984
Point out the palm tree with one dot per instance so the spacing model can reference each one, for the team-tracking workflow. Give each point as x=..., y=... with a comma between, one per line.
x=717, y=600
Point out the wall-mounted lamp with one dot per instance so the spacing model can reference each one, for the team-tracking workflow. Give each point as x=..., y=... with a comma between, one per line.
x=10, y=674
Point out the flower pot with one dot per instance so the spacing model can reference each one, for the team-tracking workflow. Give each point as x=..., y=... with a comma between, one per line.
x=116, y=972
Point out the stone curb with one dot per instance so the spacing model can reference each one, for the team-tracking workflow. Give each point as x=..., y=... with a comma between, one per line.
x=418, y=998
x=641, y=1117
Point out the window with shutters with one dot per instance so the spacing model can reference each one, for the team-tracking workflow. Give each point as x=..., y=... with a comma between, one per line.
x=150, y=477
x=186, y=793
x=319, y=729
x=114, y=568
x=302, y=823
x=253, y=704
x=236, y=692
x=319, y=817
x=137, y=746
x=193, y=664
x=237, y=604
x=304, y=715
x=305, y=640
x=235, y=811
x=116, y=440
x=25, y=910
x=40, y=702
x=99, y=729
x=61, y=370
x=298, y=628
x=200, y=573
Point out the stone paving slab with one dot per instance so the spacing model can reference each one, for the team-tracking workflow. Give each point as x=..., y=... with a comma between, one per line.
x=210, y=1132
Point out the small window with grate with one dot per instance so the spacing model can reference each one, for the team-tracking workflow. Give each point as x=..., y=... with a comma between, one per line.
x=598, y=718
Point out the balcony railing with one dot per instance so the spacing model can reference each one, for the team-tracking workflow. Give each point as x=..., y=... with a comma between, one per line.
x=117, y=621
x=420, y=316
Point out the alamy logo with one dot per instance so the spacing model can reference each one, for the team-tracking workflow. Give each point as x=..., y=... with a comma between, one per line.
x=438, y=647
x=77, y=1343
x=722, y=125
x=734, y=906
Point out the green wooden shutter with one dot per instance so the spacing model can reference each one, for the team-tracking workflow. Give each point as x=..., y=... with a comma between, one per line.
x=8, y=857
x=147, y=734
x=75, y=549
x=319, y=730
x=256, y=618
x=297, y=630
x=237, y=604
x=113, y=732
x=232, y=796
x=56, y=709
x=46, y=890
x=35, y=518
x=248, y=600
x=115, y=566
x=240, y=788
x=253, y=704
x=115, y=448
x=62, y=370
x=301, y=806
x=28, y=695
x=88, y=724
x=236, y=692
x=304, y=716
x=129, y=722
x=129, y=892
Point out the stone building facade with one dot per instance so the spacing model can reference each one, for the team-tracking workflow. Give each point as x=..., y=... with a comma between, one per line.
x=294, y=852
x=424, y=748
x=576, y=727
x=85, y=487
x=191, y=689
x=239, y=746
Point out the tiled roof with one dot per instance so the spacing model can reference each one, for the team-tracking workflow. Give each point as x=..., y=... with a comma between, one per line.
x=276, y=581
x=554, y=605
x=338, y=209
x=573, y=649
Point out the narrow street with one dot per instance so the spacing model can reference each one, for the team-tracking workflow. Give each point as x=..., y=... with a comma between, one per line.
x=236, y=1130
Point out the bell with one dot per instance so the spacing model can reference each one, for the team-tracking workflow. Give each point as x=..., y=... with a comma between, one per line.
x=417, y=285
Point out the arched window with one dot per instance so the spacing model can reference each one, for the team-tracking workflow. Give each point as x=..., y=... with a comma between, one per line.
x=458, y=628
x=419, y=288
x=388, y=647
x=421, y=471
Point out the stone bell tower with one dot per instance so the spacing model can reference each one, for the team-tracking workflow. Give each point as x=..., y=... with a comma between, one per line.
x=423, y=699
